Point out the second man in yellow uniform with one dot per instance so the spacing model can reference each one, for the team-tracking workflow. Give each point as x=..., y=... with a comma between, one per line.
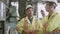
x=52, y=21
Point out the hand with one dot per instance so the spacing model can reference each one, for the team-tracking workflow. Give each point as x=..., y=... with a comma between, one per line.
x=45, y=26
x=35, y=32
x=30, y=31
x=26, y=31
x=17, y=27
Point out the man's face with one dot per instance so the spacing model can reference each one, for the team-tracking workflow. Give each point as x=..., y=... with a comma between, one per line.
x=47, y=7
x=29, y=12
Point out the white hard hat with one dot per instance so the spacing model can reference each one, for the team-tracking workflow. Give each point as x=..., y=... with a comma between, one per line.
x=54, y=1
x=28, y=6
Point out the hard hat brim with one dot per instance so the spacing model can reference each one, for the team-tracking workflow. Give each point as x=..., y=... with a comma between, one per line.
x=49, y=2
x=29, y=6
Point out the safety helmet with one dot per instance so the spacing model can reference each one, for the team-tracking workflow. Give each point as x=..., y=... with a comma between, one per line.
x=53, y=1
x=29, y=6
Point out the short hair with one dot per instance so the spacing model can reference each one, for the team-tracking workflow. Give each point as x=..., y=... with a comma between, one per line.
x=52, y=4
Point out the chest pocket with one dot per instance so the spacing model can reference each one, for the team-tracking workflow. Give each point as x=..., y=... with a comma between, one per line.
x=28, y=25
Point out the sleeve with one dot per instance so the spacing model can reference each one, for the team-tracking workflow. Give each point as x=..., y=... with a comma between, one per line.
x=40, y=24
x=54, y=24
x=20, y=26
x=40, y=27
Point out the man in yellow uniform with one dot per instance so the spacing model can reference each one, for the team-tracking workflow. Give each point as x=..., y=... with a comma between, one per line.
x=29, y=24
x=52, y=21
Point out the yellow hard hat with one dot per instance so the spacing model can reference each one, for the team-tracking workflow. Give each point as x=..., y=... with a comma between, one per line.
x=28, y=6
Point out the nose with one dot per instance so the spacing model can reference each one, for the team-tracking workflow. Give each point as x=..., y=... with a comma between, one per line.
x=30, y=11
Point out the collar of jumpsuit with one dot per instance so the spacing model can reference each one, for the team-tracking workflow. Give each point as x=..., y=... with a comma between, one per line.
x=30, y=19
x=52, y=16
